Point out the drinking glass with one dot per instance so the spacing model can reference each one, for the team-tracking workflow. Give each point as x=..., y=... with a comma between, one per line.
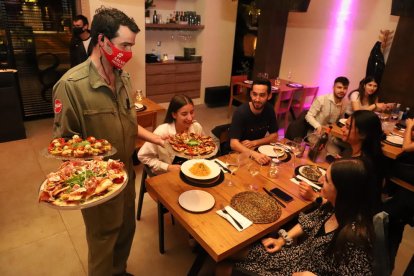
x=234, y=162
x=138, y=96
x=300, y=146
x=277, y=82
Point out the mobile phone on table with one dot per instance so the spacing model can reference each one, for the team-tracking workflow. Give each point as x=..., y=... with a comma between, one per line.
x=281, y=194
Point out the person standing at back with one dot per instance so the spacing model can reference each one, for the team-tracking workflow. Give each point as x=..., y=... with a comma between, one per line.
x=95, y=98
x=252, y=121
x=80, y=46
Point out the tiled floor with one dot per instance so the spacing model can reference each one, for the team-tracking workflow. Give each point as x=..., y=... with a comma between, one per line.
x=38, y=240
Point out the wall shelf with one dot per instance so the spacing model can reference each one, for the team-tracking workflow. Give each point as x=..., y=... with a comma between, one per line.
x=171, y=26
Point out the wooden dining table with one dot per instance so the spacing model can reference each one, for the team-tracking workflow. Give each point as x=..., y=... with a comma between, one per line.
x=215, y=234
x=388, y=150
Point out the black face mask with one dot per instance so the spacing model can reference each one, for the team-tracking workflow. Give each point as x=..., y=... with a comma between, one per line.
x=77, y=31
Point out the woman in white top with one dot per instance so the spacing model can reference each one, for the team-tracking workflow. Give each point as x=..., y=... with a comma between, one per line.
x=366, y=97
x=179, y=119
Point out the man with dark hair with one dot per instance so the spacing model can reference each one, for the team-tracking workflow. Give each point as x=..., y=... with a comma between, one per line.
x=252, y=121
x=328, y=108
x=80, y=46
x=95, y=99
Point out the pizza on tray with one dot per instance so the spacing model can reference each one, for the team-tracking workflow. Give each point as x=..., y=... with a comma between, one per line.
x=192, y=144
x=79, y=182
x=77, y=147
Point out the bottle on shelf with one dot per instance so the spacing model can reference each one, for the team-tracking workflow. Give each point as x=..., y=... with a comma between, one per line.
x=158, y=51
x=319, y=145
x=155, y=18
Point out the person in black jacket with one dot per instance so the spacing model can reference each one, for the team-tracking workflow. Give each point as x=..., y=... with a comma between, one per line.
x=80, y=47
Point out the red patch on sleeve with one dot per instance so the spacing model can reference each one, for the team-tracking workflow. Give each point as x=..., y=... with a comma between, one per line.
x=58, y=106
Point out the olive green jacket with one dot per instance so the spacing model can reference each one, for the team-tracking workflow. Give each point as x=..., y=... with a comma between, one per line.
x=85, y=105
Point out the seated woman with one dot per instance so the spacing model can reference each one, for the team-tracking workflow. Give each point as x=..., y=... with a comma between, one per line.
x=179, y=118
x=363, y=133
x=337, y=236
x=366, y=97
x=400, y=206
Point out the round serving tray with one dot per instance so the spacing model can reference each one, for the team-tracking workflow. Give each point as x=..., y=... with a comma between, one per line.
x=44, y=152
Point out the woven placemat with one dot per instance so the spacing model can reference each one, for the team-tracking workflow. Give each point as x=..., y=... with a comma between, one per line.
x=257, y=207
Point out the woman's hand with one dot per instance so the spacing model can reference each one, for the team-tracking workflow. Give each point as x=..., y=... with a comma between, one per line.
x=381, y=106
x=409, y=124
x=272, y=245
x=303, y=273
x=174, y=168
x=306, y=191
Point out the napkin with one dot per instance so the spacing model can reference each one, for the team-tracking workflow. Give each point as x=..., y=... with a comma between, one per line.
x=245, y=222
x=223, y=164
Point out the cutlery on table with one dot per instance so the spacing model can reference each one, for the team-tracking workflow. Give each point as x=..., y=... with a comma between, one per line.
x=223, y=209
x=309, y=182
x=274, y=197
x=222, y=166
x=298, y=180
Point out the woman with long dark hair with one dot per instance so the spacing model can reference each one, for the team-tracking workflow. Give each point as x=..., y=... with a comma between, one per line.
x=179, y=118
x=366, y=97
x=338, y=236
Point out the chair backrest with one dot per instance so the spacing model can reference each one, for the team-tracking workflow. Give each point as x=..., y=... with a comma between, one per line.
x=222, y=134
x=380, y=247
x=283, y=101
x=298, y=127
x=238, y=78
x=306, y=94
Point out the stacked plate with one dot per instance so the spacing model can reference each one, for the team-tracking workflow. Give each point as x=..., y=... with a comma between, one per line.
x=201, y=171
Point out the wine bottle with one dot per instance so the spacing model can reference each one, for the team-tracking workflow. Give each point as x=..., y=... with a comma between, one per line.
x=155, y=17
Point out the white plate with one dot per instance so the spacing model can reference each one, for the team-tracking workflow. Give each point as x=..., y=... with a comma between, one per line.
x=139, y=106
x=395, y=139
x=268, y=150
x=343, y=121
x=196, y=201
x=214, y=169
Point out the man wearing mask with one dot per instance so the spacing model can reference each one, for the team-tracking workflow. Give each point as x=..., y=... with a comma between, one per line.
x=95, y=99
x=80, y=46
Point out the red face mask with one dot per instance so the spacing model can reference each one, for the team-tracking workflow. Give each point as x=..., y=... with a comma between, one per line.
x=116, y=57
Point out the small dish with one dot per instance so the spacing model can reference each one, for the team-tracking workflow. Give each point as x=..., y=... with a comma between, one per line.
x=196, y=201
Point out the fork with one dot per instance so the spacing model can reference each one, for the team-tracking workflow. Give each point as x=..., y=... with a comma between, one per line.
x=223, y=209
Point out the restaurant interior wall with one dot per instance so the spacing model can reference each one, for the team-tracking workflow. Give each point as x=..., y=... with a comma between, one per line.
x=214, y=43
x=334, y=38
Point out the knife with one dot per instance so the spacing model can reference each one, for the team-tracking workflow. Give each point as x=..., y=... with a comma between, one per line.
x=309, y=182
x=223, y=167
x=274, y=197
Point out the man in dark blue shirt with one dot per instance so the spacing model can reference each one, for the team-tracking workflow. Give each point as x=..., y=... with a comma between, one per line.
x=252, y=121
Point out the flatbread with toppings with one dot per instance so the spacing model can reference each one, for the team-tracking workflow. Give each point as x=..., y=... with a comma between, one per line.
x=192, y=144
x=81, y=183
x=79, y=148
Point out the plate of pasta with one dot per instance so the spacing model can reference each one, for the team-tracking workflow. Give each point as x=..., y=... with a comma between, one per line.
x=200, y=169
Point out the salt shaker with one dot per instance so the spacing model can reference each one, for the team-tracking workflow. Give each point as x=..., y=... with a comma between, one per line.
x=274, y=167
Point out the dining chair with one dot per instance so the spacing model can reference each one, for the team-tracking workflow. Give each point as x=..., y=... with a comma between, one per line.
x=237, y=92
x=303, y=99
x=161, y=210
x=282, y=104
x=222, y=134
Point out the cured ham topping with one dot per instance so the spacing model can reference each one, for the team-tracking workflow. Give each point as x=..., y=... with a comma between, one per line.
x=192, y=144
x=79, y=181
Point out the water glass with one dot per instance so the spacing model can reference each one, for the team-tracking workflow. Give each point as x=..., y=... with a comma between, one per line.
x=139, y=96
x=300, y=146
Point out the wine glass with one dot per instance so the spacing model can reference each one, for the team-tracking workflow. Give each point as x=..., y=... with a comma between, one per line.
x=234, y=161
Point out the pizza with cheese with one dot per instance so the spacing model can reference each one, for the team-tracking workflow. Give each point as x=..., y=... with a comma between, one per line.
x=192, y=144
x=78, y=148
x=81, y=182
